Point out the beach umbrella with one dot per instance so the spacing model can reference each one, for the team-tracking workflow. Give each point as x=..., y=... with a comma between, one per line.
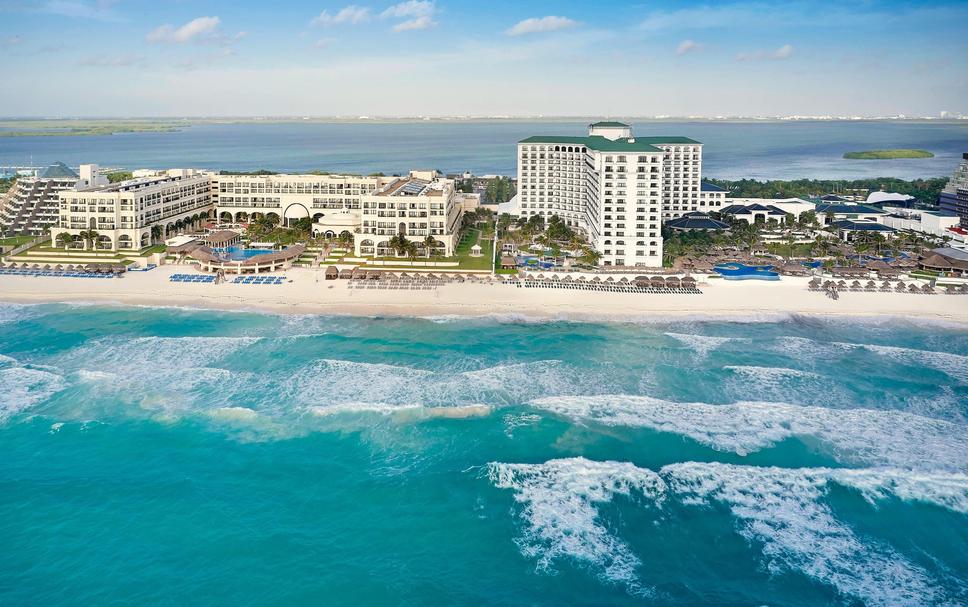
x=913, y=288
x=900, y=288
x=928, y=289
x=597, y=279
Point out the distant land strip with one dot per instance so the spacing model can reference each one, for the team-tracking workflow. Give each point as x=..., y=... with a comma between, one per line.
x=888, y=154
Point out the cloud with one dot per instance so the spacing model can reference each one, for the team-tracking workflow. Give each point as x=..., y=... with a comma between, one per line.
x=100, y=9
x=420, y=23
x=419, y=15
x=784, y=52
x=11, y=41
x=193, y=30
x=323, y=43
x=112, y=61
x=536, y=25
x=351, y=15
x=688, y=46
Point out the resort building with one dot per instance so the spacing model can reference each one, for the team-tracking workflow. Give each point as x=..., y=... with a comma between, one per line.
x=936, y=223
x=419, y=206
x=696, y=221
x=332, y=202
x=830, y=212
x=614, y=186
x=123, y=214
x=954, y=197
x=32, y=206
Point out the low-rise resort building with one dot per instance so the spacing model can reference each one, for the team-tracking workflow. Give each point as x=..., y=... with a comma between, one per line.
x=122, y=215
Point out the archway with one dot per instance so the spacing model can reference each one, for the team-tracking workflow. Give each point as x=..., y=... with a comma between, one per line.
x=225, y=216
x=103, y=242
x=145, y=240
x=124, y=242
x=294, y=212
x=241, y=217
x=367, y=247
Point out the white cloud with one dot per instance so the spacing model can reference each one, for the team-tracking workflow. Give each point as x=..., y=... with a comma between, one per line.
x=196, y=29
x=11, y=42
x=688, y=46
x=420, y=23
x=535, y=25
x=419, y=15
x=784, y=52
x=350, y=14
x=411, y=8
x=323, y=43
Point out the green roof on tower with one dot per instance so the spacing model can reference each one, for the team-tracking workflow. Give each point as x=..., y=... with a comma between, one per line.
x=609, y=124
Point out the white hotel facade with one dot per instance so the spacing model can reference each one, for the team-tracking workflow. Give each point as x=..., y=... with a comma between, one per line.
x=614, y=186
x=124, y=213
x=371, y=209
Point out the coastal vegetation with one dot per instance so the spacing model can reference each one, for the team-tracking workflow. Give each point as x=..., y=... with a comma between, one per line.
x=75, y=128
x=926, y=191
x=497, y=190
x=888, y=154
x=119, y=176
x=6, y=183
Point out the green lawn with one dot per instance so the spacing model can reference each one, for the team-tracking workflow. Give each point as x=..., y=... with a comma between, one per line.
x=786, y=250
x=15, y=241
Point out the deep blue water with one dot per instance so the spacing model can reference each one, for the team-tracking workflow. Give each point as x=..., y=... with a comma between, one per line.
x=163, y=456
x=732, y=150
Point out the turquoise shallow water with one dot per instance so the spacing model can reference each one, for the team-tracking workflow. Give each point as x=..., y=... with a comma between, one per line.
x=164, y=456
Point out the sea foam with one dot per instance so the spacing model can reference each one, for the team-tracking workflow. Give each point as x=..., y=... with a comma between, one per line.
x=780, y=511
x=21, y=388
x=560, y=500
x=867, y=436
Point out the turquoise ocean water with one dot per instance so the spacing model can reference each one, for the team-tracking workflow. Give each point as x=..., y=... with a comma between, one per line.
x=156, y=456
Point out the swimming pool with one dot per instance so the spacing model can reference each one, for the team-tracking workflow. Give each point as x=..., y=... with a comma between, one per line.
x=740, y=271
x=239, y=253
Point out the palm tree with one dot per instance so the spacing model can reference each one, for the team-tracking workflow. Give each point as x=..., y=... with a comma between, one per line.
x=89, y=237
x=399, y=243
x=429, y=243
x=155, y=233
x=64, y=239
x=411, y=250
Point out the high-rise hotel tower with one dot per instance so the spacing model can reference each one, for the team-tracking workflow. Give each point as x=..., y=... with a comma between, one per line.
x=616, y=187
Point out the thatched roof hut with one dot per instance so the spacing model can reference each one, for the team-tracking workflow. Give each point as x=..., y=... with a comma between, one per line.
x=331, y=273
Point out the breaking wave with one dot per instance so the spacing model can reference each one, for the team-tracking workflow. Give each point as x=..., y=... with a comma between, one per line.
x=21, y=388
x=560, y=501
x=780, y=511
x=866, y=436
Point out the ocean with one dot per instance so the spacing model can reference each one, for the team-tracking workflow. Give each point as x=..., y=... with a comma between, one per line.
x=733, y=150
x=164, y=456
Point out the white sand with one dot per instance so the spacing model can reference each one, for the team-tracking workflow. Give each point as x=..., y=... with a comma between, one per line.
x=309, y=293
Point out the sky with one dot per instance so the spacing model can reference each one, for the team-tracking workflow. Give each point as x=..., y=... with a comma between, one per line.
x=170, y=58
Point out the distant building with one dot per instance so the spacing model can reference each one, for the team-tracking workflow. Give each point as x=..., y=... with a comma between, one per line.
x=417, y=207
x=937, y=223
x=32, y=207
x=124, y=213
x=696, y=220
x=614, y=186
x=954, y=197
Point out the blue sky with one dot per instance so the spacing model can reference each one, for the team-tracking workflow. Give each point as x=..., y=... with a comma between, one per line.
x=454, y=57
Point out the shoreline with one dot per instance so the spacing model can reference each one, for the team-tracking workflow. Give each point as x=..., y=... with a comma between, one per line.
x=309, y=294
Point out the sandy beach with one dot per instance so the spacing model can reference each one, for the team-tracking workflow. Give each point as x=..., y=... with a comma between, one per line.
x=309, y=293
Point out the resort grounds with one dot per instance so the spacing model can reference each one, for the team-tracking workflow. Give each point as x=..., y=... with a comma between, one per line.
x=306, y=291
